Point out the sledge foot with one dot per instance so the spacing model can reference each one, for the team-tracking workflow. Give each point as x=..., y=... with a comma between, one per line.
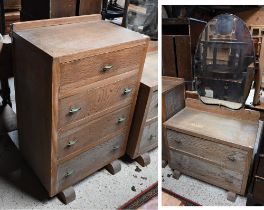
x=176, y=174
x=164, y=163
x=68, y=195
x=143, y=160
x=231, y=196
x=113, y=167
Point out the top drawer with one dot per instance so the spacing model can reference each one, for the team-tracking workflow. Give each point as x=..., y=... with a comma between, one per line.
x=95, y=68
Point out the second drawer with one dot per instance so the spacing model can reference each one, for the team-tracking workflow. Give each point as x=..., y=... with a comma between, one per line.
x=226, y=156
x=92, y=132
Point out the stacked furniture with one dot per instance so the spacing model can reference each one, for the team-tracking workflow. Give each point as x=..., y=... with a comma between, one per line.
x=143, y=135
x=173, y=100
x=179, y=40
x=76, y=86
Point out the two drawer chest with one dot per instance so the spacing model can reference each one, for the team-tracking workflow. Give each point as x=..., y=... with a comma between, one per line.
x=76, y=82
x=213, y=144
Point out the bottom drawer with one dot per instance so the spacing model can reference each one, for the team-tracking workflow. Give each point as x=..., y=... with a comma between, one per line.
x=90, y=161
x=258, y=189
x=149, y=139
x=207, y=172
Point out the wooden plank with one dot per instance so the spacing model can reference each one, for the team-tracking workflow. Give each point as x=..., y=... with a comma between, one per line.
x=89, y=7
x=169, y=67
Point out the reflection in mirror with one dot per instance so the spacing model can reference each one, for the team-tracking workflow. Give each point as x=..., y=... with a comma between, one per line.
x=224, y=62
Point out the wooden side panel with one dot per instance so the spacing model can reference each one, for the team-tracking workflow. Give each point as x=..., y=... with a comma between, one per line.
x=260, y=170
x=169, y=67
x=33, y=85
x=184, y=57
x=153, y=106
x=88, y=7
x=258, y=190
x=204, y=171
x=224, y=156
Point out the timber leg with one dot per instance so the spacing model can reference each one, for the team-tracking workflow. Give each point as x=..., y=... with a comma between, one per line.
x=68, y=195
x=231, y=196
x=176, y=174
x=143, y=160
x=113, y=167
x=164, y=163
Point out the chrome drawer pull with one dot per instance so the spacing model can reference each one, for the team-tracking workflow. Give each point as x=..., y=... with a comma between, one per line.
x=127, y=91
x=231, y=157
x=116, y=147
x=152, y=137
x=107, y=68
x=71, y=143
x=74, y=110
x=68, y=173
x=121, y=119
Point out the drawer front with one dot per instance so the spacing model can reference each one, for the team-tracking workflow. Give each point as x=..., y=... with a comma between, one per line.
x=153, y=107
x=258, y=189
x=226, y=156
x=149, y=138
x=99, y=67
x=207, y=172
x=260, y=170
x=93, y=101
x=90, y=161
x=91, y=133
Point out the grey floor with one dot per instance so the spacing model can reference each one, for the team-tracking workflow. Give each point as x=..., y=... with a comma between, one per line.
x=20, y=188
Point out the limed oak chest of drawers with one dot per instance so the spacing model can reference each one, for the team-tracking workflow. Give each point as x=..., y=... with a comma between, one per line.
x=143, y=135
x=213, y=144
x=76, y=83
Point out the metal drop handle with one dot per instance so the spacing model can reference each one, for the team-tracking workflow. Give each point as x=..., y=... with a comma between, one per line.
x=127, y=91
x=178, y=141
x=152, y=137
x=71, y=143
x=74, y=110
x=231, y=157
x=107, y=67
x=69, y=173
x=116, y=147
x=121, y=119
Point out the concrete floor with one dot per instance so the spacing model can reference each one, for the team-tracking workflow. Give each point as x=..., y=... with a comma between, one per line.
x=21, y=189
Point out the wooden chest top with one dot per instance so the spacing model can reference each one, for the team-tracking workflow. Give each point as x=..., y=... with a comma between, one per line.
x=222, y=125
x=169, y=83
x=150, y=72
x=63, y=38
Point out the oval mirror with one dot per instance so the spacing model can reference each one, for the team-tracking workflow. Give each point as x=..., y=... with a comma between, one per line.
x=224, y=62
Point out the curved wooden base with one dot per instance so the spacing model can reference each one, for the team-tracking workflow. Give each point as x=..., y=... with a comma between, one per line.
x=143, y=160
x=113, y=167
x=164, y=163
x=231, y=196
x=68, y=195
x=176, y=174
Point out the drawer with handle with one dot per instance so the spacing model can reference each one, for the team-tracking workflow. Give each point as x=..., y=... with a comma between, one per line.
x=226, y=156
x=90, y=161
x=93, y=101
x=214, y=174
x=149, y=137
x=99, y=67
x=90, y=133
x=153, y=107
